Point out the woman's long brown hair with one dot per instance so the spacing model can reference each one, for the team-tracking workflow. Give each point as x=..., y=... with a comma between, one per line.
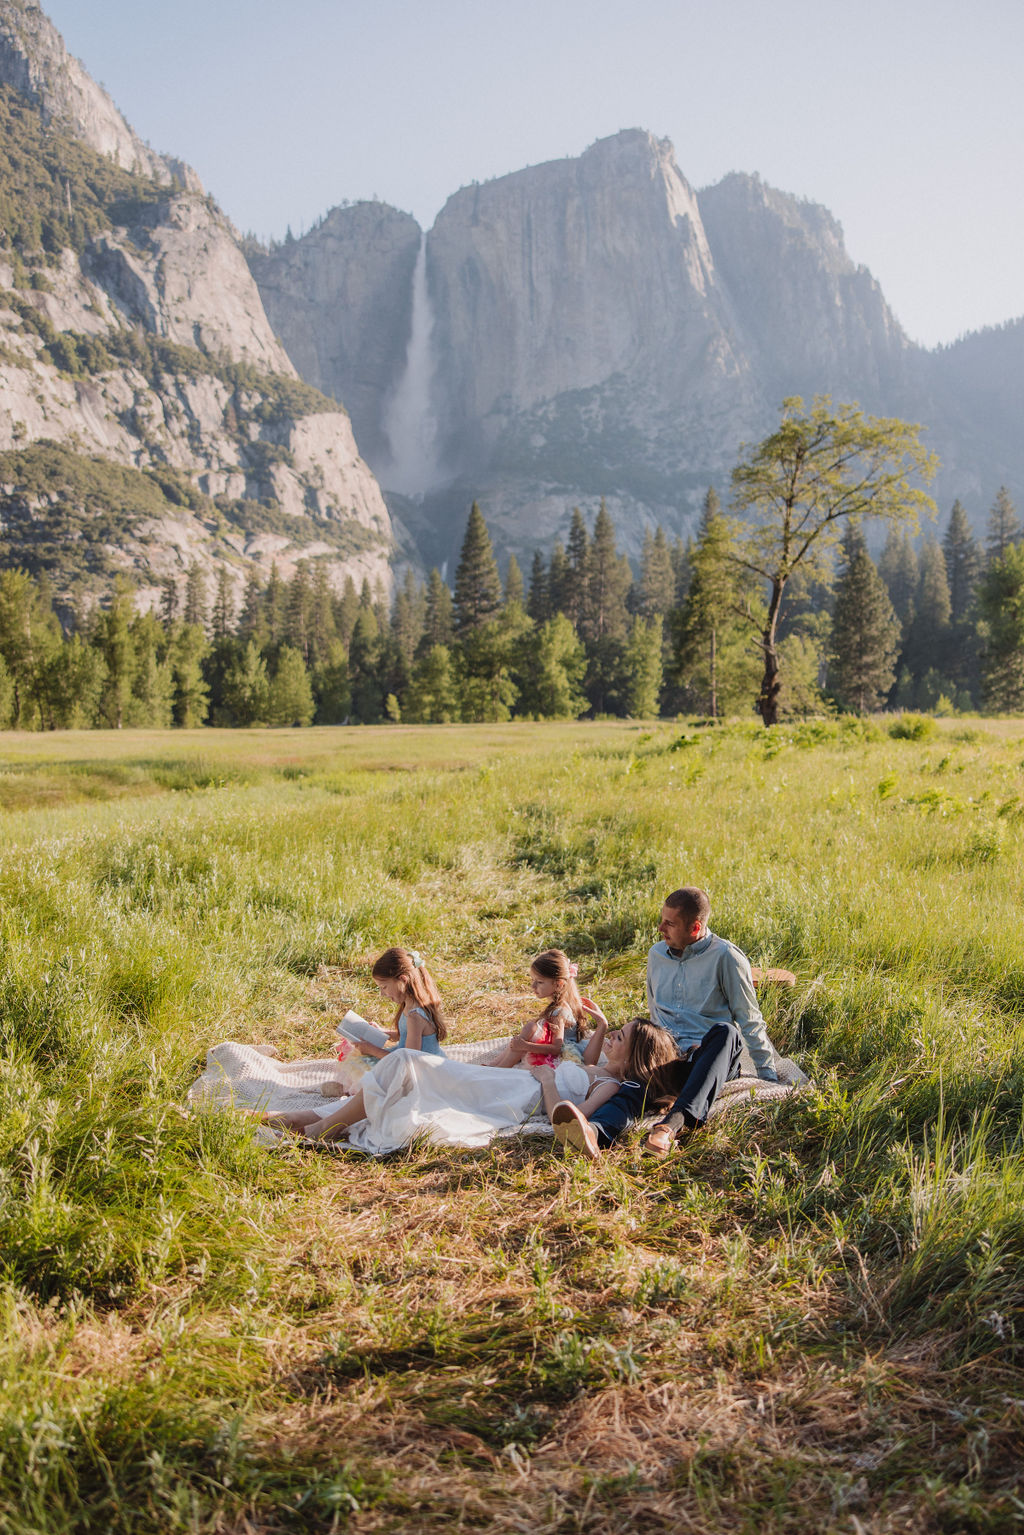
x=399, y=965
x=651, y=1050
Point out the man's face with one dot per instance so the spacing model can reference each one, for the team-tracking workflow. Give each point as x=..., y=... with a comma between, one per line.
x=678, y=930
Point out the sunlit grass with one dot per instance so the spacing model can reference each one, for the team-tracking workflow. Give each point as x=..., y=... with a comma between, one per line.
x=811, y=1315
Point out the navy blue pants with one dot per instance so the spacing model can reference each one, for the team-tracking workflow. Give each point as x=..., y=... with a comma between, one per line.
x=715, y=1063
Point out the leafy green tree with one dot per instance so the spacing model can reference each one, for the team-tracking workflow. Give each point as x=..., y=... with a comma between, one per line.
x=1004, y=526
x=1001, y=627
x=431, y=697
x=865, y=631
x=642, y=667
x=798, y=487
x=6, y=696
x=478, y=594
x=550, y=669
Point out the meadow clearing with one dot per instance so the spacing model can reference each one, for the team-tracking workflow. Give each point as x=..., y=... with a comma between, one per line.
x=810, y=1318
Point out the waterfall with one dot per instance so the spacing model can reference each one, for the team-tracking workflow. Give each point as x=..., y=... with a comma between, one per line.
x=409, y=418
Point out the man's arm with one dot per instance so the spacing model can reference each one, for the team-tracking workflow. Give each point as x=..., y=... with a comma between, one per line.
x=738, y=987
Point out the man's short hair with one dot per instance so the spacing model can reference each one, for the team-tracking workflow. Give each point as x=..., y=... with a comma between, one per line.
x=693, y=903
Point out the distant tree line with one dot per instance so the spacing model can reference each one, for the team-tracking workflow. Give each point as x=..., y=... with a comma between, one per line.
x=939, y=627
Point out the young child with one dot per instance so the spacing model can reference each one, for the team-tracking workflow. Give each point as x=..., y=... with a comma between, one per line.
x=540, y=1042
x=418, y=1024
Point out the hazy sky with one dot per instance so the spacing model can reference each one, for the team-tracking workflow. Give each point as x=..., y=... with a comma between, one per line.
x=904, y=117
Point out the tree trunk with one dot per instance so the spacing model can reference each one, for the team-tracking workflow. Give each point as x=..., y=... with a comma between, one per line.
x=771, y=683
x=714, y=678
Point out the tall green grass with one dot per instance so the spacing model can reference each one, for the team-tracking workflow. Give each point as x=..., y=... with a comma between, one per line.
x=177, y=1301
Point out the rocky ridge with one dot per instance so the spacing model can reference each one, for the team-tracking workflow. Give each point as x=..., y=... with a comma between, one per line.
x=132, y=333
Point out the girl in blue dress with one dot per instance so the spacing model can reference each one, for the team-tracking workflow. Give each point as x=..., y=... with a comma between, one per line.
x=418, y=1024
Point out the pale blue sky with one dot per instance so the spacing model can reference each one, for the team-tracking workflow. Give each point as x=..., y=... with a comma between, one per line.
x=904, y=117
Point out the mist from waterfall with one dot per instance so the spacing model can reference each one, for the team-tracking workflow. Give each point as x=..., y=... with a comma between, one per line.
x=409, y=420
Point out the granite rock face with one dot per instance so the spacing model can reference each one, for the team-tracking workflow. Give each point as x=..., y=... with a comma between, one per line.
x=186, y=372
x=341, y=296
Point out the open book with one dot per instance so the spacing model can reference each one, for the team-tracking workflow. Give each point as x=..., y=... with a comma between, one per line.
x=359, y=1031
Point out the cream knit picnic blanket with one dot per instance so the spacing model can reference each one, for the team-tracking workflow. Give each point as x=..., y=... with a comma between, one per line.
x=244, y=1077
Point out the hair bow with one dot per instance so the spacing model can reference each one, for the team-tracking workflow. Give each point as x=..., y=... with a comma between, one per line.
x=417, y=959
x=574, y=969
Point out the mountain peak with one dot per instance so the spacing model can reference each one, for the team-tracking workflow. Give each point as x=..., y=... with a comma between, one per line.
x=35, y=62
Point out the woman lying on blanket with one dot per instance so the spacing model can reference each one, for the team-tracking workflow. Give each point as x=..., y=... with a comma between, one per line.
x=460, y=1103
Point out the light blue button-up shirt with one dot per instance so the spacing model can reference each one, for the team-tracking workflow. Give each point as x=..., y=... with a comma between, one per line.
x=706, y=983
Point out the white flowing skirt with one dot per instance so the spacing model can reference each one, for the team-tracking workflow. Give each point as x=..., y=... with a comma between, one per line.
x=451, y=1103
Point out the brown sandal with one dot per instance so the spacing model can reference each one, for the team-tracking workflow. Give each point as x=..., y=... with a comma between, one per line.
x=661, y=1147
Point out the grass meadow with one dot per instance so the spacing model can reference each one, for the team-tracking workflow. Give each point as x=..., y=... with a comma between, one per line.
x=812, y=1317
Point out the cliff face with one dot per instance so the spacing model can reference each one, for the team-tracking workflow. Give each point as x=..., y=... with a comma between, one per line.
x=133, y=333
x=597, y=328
x=342, y=298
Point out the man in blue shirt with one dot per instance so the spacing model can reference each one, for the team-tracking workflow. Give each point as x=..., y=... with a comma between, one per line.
x=700, y=988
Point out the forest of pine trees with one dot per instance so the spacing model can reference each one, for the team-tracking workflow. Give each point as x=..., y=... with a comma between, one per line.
x=938, y=627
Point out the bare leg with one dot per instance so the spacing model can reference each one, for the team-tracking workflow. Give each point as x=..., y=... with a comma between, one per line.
x=332, y=1126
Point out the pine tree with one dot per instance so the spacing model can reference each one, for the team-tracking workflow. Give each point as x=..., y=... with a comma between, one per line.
x=407, y=618
x=898, y=568
x=1001, y=628
x=346, y=611
x=603, y=614
x=275, y=607
x=515, y=591
x=478, y=592
x=573, y=596
x=439, y=618
x=222, y=621
x=431, y=697
x=561, y=592
x=331, y=691
x=364, y=655
x=963, y=570
x=642, y=667
x=657, y=585
x=926, y=646
x=709, y=626
x=1003, y=526
x=112, y=637
x=252, y=622
x=299, y=611
x=323, y=633
x=191, y=693
x=245, y=688
x=290, y=696
x=539, y=604
x=550, y=669
x=865, y=631
x=195, y=610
